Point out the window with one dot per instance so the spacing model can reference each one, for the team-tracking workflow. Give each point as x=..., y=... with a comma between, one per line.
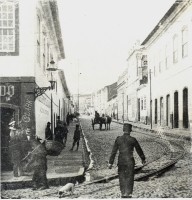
x=144, y=104
x=44, y=53
x=7, y=26
x=154, y=71
x=175, y=49
x=184, y=42
x=38, y=38
x=166, y=57
x=48, y=54
x=160, y=61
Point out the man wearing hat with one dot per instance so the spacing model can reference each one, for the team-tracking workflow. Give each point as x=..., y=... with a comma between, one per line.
x=48, y=133
x=15, y=149
x=126, y=144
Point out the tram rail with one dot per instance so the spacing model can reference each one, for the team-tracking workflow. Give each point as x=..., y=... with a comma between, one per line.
x=142, y=173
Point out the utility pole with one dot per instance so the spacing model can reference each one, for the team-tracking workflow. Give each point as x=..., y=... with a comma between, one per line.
x=78, y=88
x=150, y=99
x=123, y=106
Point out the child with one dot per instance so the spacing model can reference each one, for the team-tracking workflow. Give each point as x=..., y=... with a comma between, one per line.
x=76, y=137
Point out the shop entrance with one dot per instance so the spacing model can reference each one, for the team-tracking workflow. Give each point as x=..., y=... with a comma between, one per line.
x=6, y=116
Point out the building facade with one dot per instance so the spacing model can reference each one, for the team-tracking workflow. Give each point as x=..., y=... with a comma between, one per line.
x=30, y=45
x=133, y=83
x=122, y=100
x=169, y=52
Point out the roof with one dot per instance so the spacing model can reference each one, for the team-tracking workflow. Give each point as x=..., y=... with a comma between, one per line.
x=55, y=15
x=112, y=91
x=63, y=81
x=163, y=19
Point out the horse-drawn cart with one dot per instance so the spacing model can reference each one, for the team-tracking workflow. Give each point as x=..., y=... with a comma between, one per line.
x=106, y=120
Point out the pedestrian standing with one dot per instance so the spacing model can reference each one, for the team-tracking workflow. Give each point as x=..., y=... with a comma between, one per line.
x=48, y=133
x=65, y=132
x=38, y=162
x=126, y=144
x=76, y=137
x=15, y=149
x=59, y=132
x=68, y=119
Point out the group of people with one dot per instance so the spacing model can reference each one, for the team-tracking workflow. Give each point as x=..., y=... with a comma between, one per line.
x=19, y=146
x=24, y=145
x=28, y=154
x=61, y=133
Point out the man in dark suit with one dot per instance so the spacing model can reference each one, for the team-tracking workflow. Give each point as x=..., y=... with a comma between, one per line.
x=126, y=144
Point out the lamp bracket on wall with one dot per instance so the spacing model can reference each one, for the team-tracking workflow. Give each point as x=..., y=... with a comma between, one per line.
x=41, y=90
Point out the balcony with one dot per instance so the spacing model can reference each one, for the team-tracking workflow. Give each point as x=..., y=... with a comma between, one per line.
x=144, y=80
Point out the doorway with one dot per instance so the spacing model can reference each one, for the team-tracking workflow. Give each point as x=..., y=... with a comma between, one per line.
x=168, y=110
x=161, y=111
x=155, y=111
x=176, y=110
x=138, y=109
x=185, y=108
x=7, y=115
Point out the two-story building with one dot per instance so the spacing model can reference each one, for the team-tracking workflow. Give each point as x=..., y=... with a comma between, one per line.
x=133, y=83
x=122, y=96
x=32, y=90
x=169, y=53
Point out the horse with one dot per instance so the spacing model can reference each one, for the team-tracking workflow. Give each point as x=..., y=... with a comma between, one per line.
x=106, y=120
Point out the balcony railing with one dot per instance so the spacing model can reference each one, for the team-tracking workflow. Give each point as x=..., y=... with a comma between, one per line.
x=144, y=80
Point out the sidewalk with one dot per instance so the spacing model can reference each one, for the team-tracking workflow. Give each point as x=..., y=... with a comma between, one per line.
x=176, y=133
x=66, y=167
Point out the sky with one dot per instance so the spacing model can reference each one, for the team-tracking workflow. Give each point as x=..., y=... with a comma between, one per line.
x=98, y=34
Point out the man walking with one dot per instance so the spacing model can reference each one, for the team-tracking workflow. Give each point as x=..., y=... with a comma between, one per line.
x=125, y=144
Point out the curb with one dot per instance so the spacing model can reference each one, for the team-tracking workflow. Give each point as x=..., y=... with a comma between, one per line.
x=51, y=182
x=188, y=138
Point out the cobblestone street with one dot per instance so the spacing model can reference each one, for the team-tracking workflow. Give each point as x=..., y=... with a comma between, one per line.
x=174, y=183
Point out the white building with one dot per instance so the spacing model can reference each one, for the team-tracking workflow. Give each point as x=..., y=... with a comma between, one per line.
x=29, y=40
x=133, y=83
x=112, y=105
x=122, y=100
x=169, y=53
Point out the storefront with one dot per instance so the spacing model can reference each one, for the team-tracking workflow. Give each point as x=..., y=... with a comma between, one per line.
x=16, y=104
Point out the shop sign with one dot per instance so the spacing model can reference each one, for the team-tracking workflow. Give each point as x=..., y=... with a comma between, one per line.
x=7, y=91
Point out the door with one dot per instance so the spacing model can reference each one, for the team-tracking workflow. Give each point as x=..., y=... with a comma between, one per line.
x=6, y=116
x=138, y=109
x=176, y=110
x=168, y=110
x=185, y=108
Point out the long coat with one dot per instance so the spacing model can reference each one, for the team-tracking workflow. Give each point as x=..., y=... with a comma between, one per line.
x=125, y=144
x=15, y=149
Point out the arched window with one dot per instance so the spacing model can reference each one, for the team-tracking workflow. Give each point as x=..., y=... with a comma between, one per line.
x=175, y=48
x=184, y=42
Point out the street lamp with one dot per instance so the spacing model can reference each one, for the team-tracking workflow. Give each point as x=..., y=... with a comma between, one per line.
x=78, y=92
x=123, y=105
x=41, y=90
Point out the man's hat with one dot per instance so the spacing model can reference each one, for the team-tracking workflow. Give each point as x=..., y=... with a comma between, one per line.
x=48, y=122
x=12, y=125
x=127, y=127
